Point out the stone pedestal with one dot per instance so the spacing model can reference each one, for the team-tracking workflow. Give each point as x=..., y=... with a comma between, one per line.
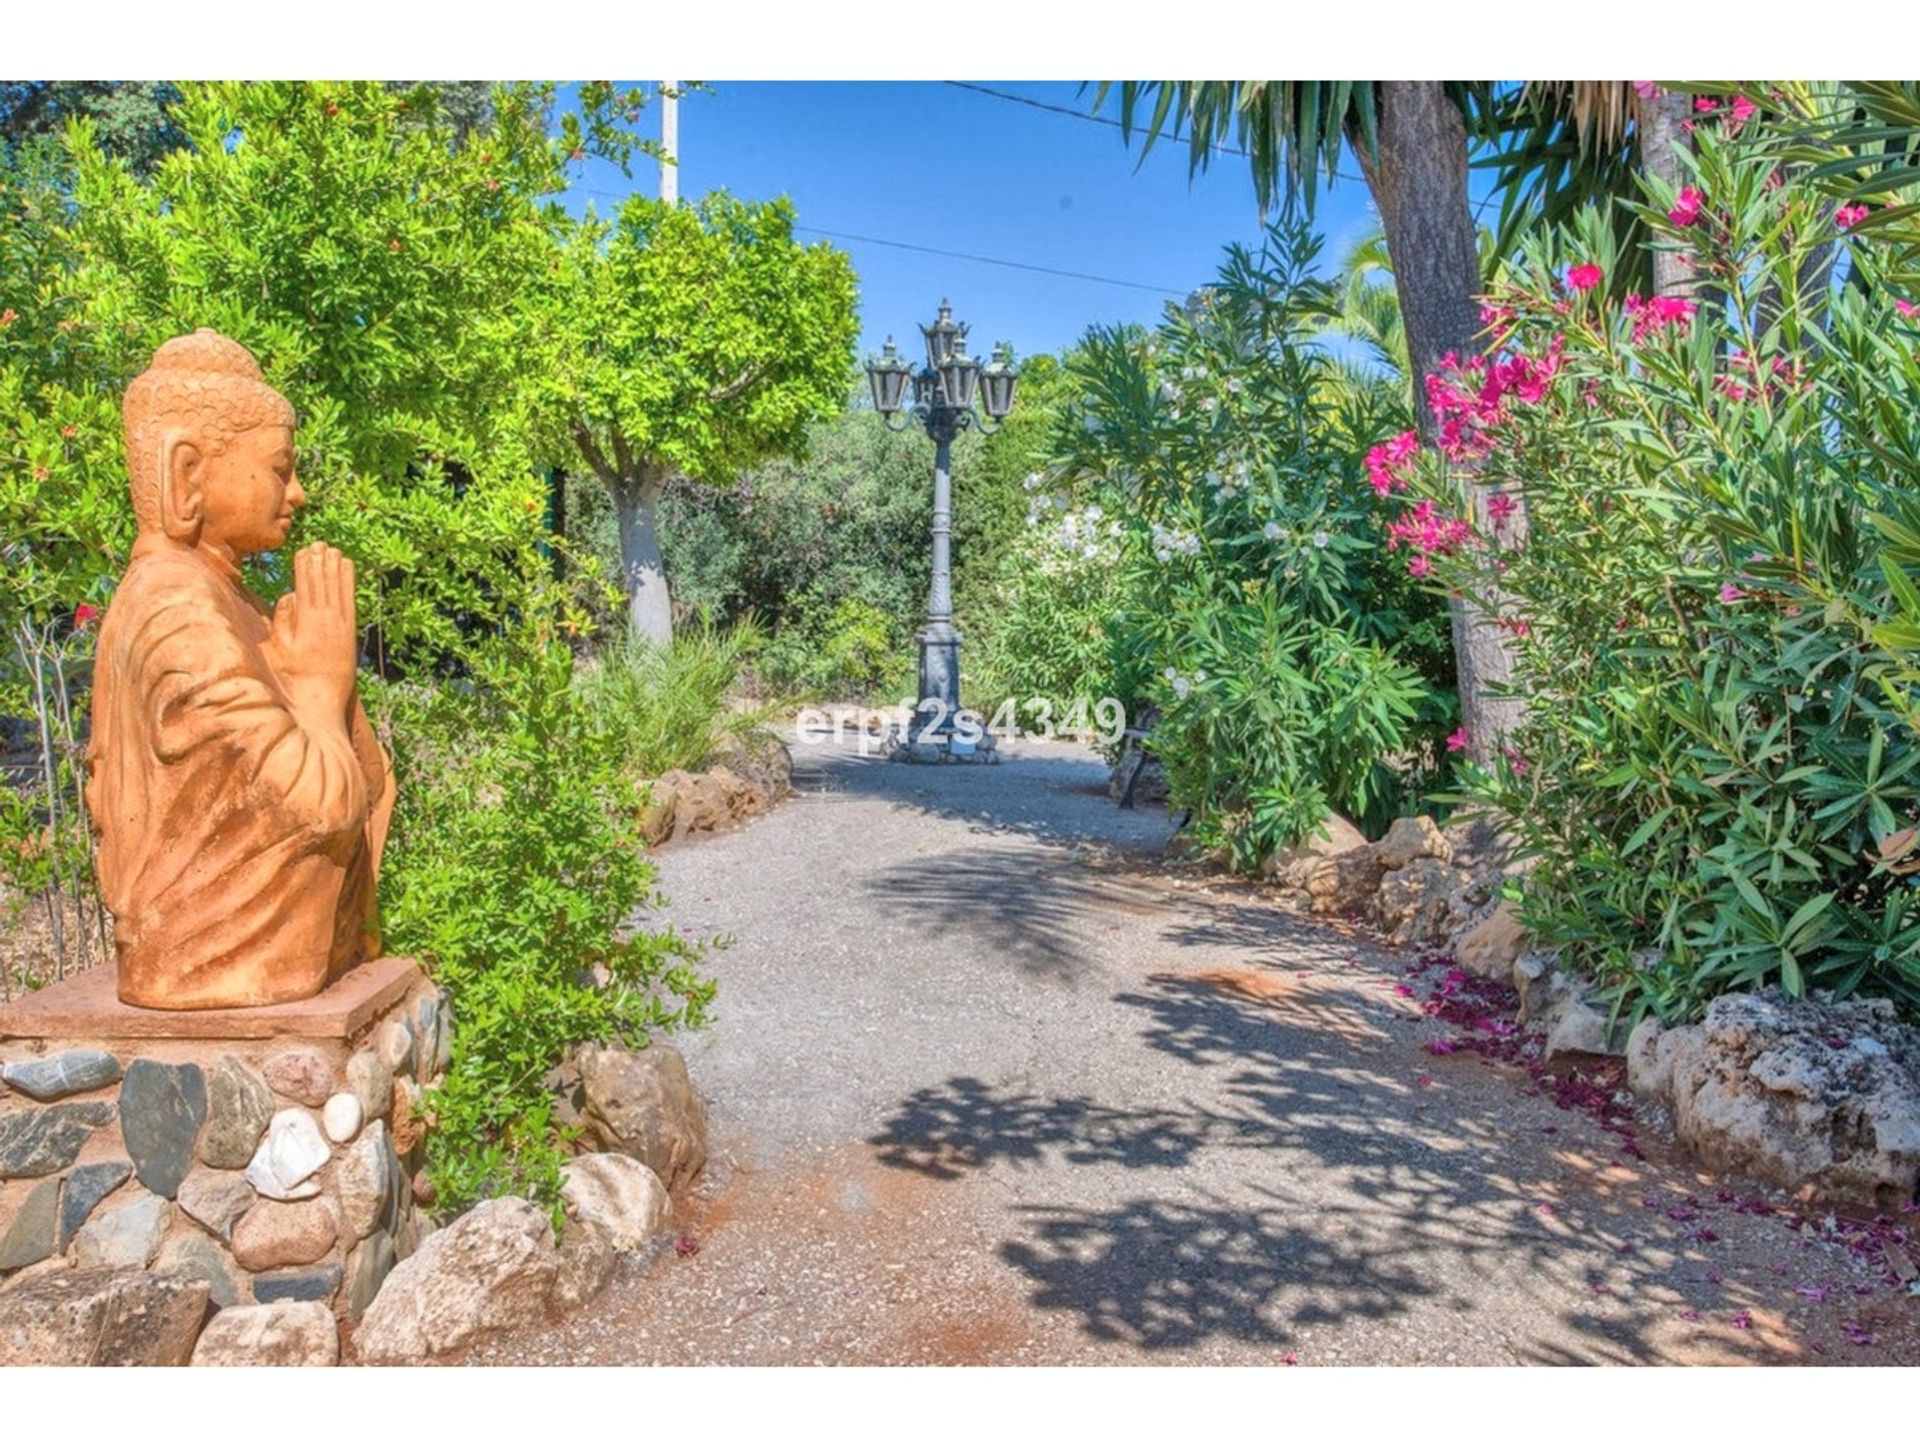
x=268, y=1152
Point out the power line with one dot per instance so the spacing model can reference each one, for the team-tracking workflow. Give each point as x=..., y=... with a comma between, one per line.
x=1072, y=114
x=956, y=255
x=990, y=260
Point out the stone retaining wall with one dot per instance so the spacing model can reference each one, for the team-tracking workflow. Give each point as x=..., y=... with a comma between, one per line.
x=270, y=1153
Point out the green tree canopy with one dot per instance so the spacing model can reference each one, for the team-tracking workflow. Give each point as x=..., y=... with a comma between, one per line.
x=695, y=340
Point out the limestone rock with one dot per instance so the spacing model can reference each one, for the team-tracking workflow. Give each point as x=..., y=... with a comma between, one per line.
x=239, y=1105
x=642, y=1104
x=293, y=1150
x=273, y=1235
x=340, y=1117
x=303, y=1075
x=1649, y=1074
x=493, y=1267
x=407, y=1123
x=587, y=1261
x=322, y=1283
x=442, y=1041
x=198, y=1258
x=30, y=1237
x=1490, y=946
x=1421, y=902
x=656, y=814
x=1819, y=1098
x=1540, y=980
x=1344, y=884
x=162, y=1108
x=125, y=1236
x=367, y=1270
x=619, y=1194
x=299, y=1334
x=364, y=1180
x=370, y=1079
x=70, y=1072
x=216, y=1199
x=101, y=1317
x=426, y=1036
x=1411, y=838
x=1295, y=865
x=1581, y=1030
x=87, y=1186
x=47, y=1138
x=394, y=1045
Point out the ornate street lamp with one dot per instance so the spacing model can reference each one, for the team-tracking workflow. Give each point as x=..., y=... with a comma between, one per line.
x=943, y=398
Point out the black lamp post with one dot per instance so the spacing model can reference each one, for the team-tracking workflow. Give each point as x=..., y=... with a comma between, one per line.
x=944, y=392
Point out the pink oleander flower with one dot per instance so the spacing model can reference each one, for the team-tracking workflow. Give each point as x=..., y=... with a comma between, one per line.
x=1655, y=315
x=1514, y=759
x=1730, y=593
x=1686, y=207
x=1459, y=740
x=1848, y=216
x=1648, y=89
x=1584, y=277
x=1703, y=104
x=1500, y=508
x=1908, y=310
x=1387, y=461
x=1418, y=566
x=1742, y=109
x=84, y=615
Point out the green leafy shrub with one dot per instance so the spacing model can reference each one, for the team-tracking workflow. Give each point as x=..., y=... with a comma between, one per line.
x=1295, y=670
x=514, y=869
x=1048, y=635
x=1682, y=510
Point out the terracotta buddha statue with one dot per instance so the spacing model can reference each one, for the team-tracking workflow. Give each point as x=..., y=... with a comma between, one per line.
x=239, y=795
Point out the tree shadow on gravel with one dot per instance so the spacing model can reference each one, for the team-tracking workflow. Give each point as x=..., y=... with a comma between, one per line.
x=1358, y=1192
x=1042, y=909
x=1057, y=798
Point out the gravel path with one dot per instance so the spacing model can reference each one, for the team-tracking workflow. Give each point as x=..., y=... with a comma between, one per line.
x=990, y=1082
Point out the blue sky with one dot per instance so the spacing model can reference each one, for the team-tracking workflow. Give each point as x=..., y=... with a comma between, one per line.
x=934, y=165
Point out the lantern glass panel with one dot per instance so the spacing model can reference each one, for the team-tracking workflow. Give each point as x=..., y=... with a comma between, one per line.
x=961, y=376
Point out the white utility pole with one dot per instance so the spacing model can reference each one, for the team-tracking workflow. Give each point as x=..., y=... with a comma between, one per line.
x=670, y=142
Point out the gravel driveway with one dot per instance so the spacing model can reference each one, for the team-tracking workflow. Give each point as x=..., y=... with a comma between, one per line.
x=991, y=1082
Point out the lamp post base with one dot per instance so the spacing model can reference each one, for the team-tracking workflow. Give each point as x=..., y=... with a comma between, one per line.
x=939, y=706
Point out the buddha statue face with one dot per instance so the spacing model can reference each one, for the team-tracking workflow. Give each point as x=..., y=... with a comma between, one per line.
x=210, y=449
x=247, y=493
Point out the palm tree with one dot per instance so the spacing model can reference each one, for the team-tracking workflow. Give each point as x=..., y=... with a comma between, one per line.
x=1366, y=308
x=1560, y=145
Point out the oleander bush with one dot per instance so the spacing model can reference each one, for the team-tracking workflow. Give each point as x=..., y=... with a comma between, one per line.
x=1295, y=669
x=1679, y=521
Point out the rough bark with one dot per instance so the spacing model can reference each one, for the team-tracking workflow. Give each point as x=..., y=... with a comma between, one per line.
x=1658, y=120
x=1419, y=183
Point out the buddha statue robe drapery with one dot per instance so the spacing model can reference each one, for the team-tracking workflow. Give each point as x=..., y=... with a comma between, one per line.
x=239, y=795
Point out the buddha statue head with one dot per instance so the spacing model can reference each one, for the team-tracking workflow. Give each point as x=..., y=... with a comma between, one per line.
x=210, y=449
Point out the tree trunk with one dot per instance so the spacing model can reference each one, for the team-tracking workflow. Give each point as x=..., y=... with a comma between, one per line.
x=636, y=502
x=1419, y=183
x=1658, y=120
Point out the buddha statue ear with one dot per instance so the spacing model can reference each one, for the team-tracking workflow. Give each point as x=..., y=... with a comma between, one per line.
x=181, y=502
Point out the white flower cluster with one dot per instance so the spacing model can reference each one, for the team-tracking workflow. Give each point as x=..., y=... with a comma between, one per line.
x=1236, y=481
x=1085, y=534
x=1182, y=685
x=1168, y=543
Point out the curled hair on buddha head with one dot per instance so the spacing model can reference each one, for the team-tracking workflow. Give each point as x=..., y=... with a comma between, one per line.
x=204, y=384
